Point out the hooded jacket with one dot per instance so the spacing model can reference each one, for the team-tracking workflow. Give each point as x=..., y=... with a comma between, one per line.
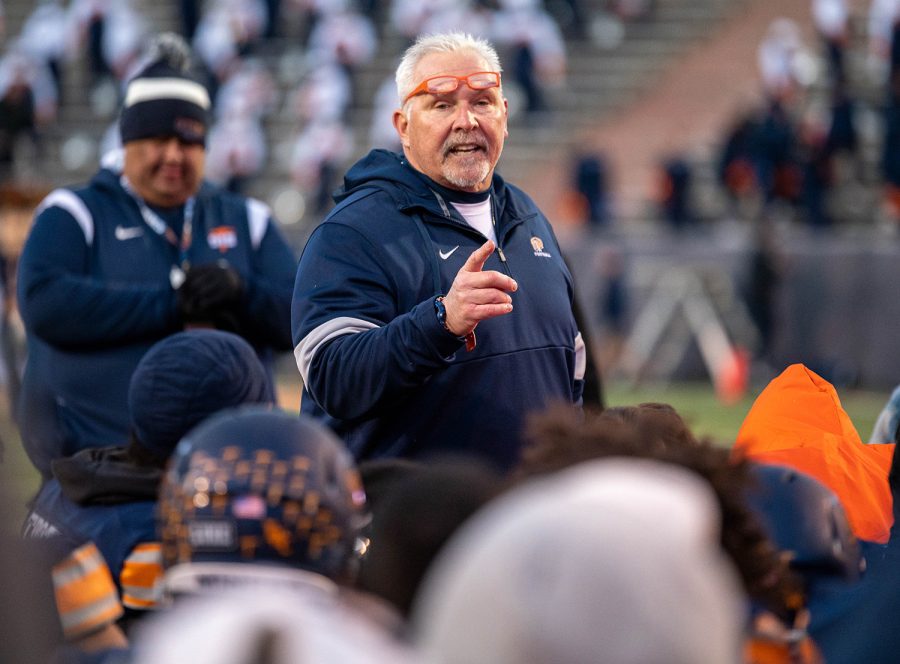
x=377, y=364
x=95, y=293
x=99, y=495
x=798, y=421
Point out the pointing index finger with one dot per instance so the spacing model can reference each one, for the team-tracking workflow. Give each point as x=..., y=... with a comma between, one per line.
x=476, y=260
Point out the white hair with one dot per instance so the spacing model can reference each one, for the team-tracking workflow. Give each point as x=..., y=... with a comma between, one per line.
x=449, y=42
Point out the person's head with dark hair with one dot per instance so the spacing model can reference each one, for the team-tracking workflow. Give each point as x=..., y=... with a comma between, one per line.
x=415, y=509
x=557, y=440
x=656, y=422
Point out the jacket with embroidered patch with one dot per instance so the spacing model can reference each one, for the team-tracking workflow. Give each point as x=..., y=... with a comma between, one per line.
x=95, y=293
x=377, y=365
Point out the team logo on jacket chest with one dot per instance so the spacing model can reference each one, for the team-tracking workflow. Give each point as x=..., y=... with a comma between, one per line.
x=222, y=238
x=538, y=245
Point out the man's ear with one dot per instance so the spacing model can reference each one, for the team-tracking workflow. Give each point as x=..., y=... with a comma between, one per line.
x=401, y=124
x=505, y=118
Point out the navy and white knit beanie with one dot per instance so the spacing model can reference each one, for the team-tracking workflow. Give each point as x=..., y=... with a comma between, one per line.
x=163, y=99
x=187, y=377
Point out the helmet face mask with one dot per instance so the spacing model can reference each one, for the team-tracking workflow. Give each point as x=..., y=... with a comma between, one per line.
x=261, y=486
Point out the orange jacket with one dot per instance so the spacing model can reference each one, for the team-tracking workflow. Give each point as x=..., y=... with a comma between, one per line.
x=798, y=421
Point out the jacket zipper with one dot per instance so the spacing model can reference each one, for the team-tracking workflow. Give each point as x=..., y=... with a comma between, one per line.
x=497, y=235
x=449, y=216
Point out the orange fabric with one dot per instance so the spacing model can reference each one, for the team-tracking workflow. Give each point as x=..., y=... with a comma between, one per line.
x=82, y=578
x=758, y=651
x=86, y=596
x=141, y=576
x=798, y=421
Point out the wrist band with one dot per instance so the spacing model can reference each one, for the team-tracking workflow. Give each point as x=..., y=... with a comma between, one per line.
x=441, y=311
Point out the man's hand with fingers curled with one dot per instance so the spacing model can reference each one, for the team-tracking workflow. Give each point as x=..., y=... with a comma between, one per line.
x=477, y=294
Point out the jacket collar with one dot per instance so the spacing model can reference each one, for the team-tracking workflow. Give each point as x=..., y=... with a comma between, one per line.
x=410, y=190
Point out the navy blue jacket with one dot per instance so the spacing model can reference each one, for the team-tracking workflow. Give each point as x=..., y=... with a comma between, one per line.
x=95, y=293
x=98, y=496
x=379, y=368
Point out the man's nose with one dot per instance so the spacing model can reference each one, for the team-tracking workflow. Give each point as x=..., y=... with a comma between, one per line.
x=173, y=149
x=465, y=117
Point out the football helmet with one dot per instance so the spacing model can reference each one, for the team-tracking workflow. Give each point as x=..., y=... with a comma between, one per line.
x=806, y=519
x=259, y=485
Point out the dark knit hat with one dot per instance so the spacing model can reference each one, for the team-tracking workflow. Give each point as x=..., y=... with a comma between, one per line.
x=162, y=99
x=185, y=378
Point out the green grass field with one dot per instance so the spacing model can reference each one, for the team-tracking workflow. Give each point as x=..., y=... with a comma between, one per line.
x=709, y=417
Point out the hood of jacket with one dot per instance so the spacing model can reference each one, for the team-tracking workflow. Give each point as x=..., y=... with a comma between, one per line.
x=412, y=190
x=798, y=421
x=105, y=476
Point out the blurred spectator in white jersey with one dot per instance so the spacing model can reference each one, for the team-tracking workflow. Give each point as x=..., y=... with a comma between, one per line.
x=324, y=93
x=228, y=30
x=408, y=17
x=18, y=69
x=831, y=19
x=113, y=32
x=777, y=57
x=44, y=38
x=471, y=16
x=240, y=150
x=344, y=36
x=536, y=49
x=27, y=105
x=237, y=151
x=249, y=90
x=319, y=153
x=884, y=16
x=381, y=128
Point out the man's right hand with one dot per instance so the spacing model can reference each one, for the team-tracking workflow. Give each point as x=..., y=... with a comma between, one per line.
x=477, y=295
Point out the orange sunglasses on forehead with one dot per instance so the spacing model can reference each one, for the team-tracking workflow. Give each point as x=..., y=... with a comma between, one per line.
x=447, y=83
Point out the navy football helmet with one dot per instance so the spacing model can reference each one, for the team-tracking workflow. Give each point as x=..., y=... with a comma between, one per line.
x=805, y=518
x=260, y=485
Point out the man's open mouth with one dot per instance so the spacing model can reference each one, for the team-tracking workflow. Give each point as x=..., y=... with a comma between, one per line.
x=465, y=149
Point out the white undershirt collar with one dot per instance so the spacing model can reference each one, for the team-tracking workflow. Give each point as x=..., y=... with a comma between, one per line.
x=478, y=216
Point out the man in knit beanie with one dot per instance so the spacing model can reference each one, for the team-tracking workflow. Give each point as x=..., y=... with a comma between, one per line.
x=107, y=495
x=163, y=100
x=145, y=250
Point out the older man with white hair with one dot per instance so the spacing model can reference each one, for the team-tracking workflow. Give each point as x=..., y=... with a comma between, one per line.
x=424, y=247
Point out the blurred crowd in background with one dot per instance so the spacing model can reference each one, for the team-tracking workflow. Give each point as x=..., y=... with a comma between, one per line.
x=317, y=45
x=285, y=78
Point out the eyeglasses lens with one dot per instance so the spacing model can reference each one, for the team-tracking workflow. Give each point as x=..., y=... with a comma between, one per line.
x=445, y=84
